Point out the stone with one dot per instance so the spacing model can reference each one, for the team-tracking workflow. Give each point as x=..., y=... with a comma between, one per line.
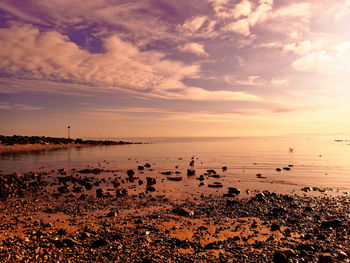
x=191, y=172
x=147, y=165
x=192, y=163
x=100, y=192
x=215, y=185
x=275, y=227
x=130, y=172
x=112, y=214
x=151, y=181
x=140, y=168
x=150, y=189
x=325, y=258
x=331, y=223
x=175, y=179
x=233, y=190
x=224, y=168
x=99, y=243
x=183, y=212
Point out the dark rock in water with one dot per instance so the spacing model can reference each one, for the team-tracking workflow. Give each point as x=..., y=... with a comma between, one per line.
x=279, y=210
x=140, y=168
x=307, y=189
x=215, y=176
x=278, y=169
x=224, y=168
x=260, y=197
x=150, y=189
x=99, y=243
x=290, y=165
x=89, y=171
x=100, y=193
x=231, y=202
x=191, y=172
x=192, y=163
x=175, y=179
x=201, y=177
x=286, y=168
x=211, y=171
x=258, y=175
x=121, y=192
x=140, y=182
x=215, y=185
x=63, y=189
x=183, y=212
x=130, y=173
x=166, y=173
x=331, y=223
x=151, y=181
x=147, y=165
x=233, y=190
x=275, y=227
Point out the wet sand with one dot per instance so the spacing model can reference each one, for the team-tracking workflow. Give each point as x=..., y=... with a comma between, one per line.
x=83, y=216
x=17, y=148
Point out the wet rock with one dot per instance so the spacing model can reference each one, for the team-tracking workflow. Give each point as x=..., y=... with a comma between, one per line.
x=192, y=163
x=286, y=168
x=130, y=172
x=191, y=172
x=283, y=256
x=116, y=183
x=275, y=227
x=94, y=171
x=150, y=189
x=175, y=179
x=77, y=189
x=233, y=190
x=99, y=243
x=112, y=213
x=147, y=165
x=151, y=181
x=325, y=258
x=224, y=168
x=278, y=169
x=258, y=175
x=63, y=189
x=140, y=168
x=331, y=223
x=166, y=173
x=121, y=192
x=183, y=212
x=100, y=193
x=215, y=185
x=306, y=189
x=70, y=242
x=140, y=182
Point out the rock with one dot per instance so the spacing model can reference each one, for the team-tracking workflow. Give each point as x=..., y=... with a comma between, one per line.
x=99, y=243
x=116, y=183
x=88, y=186
x=258, y=175
x=150, y=189
x=233, y=190
x=166, y=173
x=325, y=258
x=224, y=168
x=275, y=227
x=100, y=192
x=112, y=213
x=331, y=223
x=183, y=212
x=77, y=189
x=283, y=256
x=176, y=179
x=63, y=189
x=147, y=165
x=140, y=182
x=215, y=185
x=70, y=242
x=121, y=192
x=191, y=163
x=151, y=181
x=140, y=168
x=130, y=172
x=307, y=189
x=278, y=169
x=286, y=168
x=191, y=172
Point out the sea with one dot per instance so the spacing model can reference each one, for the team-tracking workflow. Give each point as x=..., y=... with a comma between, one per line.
x=309, y=161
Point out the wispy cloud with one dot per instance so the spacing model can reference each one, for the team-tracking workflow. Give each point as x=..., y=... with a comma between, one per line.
x=20, y=107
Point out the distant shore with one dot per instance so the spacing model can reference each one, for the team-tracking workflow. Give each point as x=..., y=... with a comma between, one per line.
x=16, y=143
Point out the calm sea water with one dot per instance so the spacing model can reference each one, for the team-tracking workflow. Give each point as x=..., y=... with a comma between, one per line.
x=317, y=161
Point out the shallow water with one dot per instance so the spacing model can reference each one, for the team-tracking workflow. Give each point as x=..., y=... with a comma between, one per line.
x=317, y=161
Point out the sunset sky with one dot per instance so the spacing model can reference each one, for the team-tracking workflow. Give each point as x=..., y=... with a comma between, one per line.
x=112, y=68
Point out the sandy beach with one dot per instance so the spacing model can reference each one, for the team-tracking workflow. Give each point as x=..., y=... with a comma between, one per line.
x=36, y=147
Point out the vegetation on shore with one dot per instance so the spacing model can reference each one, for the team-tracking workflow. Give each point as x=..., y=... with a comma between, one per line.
x=24, y=140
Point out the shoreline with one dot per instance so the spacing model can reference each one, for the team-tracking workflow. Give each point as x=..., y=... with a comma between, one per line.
x=81, y=215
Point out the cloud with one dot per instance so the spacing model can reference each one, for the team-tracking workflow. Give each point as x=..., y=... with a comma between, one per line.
x=195, y=48
x=19, y=107
x=255, y=80
x=240, y=27
x=320, y=56
x=50, y=56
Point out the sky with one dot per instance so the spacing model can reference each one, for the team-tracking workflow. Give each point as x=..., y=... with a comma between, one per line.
x=144, y=68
